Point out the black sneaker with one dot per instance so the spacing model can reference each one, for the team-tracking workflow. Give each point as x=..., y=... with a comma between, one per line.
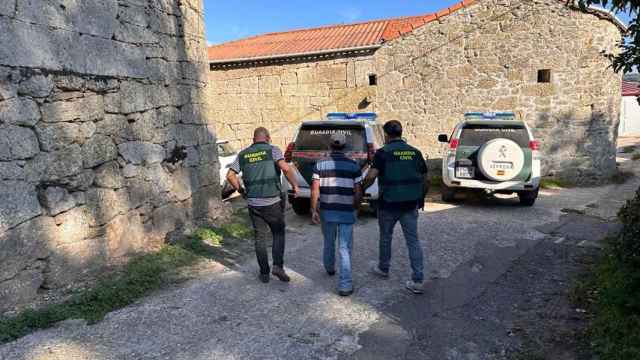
x=331, y=272
x=265, y=278
x=345, y=292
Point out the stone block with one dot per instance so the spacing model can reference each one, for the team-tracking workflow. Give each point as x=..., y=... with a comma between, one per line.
x=167, y=219
x=37, y=86
x=134, y=34
x=112, y=58
x=55, y=165
x=109, y=176
x=12, y=171
x=138, y=152
x=185, y=182
x=18, y=203
x=19, y=111
x=73, y=261
x=17, y=143
x=24, y=245
x=56, y=200
x=98, y=150
x=125, y=235
x=8, y=8
x=88, y=108
x=75, y=225
x=139, y=127
x=56, y=136
x=105, y=204
x=21, y=290
x=72, y=15
x=70, y=82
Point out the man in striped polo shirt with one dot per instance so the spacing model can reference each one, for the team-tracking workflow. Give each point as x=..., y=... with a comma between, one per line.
x=336, y=184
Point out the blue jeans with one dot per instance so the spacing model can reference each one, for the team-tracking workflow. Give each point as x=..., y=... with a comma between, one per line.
x=387, y=220
x=343, y=233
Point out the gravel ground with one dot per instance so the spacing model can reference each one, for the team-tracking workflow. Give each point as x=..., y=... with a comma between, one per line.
x=227, y=314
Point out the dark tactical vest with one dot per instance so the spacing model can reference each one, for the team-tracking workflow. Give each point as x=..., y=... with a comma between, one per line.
x=402, y=182
x=260, y=174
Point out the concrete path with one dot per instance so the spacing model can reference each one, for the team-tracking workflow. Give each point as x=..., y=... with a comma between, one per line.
x=228, y=314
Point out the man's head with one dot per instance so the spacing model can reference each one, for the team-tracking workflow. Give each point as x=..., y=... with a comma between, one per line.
x=261, y=134
x=392, y=130
x=338, y=141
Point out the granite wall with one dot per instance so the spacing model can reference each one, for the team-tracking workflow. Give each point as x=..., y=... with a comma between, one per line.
x=104, y=150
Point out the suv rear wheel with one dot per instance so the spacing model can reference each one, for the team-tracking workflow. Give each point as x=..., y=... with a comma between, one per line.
x=528, y=198
x=301, y=206
x=448, y=194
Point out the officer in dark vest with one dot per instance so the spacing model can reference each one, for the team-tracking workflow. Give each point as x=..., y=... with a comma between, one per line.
x=261, y=165
x=402, y=177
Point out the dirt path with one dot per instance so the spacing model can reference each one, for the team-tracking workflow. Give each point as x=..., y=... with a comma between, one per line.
x=480, y=259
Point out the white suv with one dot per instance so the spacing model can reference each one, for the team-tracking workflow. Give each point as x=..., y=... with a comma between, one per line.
x=311, y=144
x=494, y=152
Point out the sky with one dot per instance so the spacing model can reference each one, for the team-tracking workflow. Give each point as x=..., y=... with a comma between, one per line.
x=231, y=20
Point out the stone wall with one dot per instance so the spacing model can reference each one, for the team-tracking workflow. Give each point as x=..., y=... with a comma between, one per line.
x=279, y=97
x=482, y=58
x=487, y=57
x=103, y=149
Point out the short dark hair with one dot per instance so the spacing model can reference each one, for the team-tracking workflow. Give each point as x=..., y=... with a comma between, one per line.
x=260, y=132
x=337, y=147
x=393, y=128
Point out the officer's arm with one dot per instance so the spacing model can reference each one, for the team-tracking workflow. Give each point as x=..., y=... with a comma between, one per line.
x=370, y=179
x=232, y=178
x=289, y=174
x=357, y=198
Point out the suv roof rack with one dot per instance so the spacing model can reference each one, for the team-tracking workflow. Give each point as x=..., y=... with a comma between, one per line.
x=505, y=115
x=365, y=116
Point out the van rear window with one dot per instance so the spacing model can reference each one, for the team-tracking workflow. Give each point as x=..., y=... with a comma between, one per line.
x=478, y=135
x=314, y=138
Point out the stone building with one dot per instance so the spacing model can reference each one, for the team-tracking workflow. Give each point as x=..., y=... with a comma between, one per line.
x=95, y=98
x=542, y=59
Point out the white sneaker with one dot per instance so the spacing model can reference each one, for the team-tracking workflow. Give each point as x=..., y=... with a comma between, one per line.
x=415, y=287
x=376, y=271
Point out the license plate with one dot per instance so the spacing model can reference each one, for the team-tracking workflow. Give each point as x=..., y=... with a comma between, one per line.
x=465, y=172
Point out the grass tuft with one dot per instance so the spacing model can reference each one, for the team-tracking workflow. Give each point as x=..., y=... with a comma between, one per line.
x=552, y=183
x=141, y=276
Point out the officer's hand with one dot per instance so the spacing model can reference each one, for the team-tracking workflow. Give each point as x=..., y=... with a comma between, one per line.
x=241, y=191
x=315, y=217
x=296, y=191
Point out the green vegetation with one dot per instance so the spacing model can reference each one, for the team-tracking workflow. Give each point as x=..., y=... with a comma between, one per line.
x=615, y=330
x=551, y=183
x=435, y=183
x=636, y=156
x=140, y=277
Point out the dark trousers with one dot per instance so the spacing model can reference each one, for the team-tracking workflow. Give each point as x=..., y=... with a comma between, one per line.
x=265, y=219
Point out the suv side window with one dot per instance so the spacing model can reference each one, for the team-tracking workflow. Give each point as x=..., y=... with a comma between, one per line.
x=479, y=134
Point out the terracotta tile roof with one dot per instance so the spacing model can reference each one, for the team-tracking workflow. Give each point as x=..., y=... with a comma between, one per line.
x=630, y=88
x=323, y=39
x=326, y=39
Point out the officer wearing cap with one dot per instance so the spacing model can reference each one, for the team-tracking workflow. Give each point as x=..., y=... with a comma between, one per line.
x=402, y=177
x=261, y=165
x=335, y=196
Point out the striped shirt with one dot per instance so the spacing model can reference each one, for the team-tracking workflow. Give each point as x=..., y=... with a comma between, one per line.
x=338, y=176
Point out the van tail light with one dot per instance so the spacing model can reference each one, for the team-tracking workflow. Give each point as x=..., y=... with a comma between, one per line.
x=371, y=152
x=453, y=144
x=534, y=145
x=288, y=154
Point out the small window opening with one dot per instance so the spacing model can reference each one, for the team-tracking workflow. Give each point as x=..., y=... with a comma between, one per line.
x=373, y=79
x=544, y=76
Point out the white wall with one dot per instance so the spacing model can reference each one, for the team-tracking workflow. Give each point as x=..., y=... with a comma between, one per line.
x=629, y=116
